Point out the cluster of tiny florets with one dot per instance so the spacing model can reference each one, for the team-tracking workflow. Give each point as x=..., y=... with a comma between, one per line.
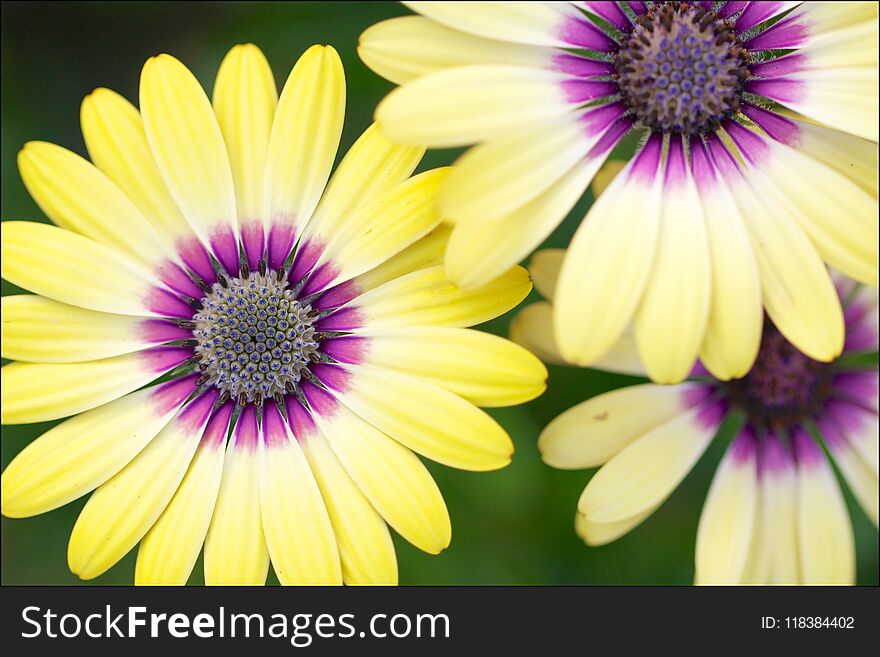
x=682, y=69
x=255, y=339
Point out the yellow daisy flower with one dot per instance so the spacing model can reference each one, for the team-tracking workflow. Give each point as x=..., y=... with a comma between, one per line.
x=307, y=339
x=775, y=513
x=728, y=207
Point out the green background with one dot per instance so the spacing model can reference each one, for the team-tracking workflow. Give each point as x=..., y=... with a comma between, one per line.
x=515, y=526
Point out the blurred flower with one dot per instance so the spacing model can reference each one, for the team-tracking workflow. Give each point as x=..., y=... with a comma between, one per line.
x=727, y=206
x=311, y=322
x=774, y=512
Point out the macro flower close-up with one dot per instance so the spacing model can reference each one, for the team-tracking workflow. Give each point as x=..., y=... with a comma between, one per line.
x=250, y=351
x=775, y=512
x=755, y=165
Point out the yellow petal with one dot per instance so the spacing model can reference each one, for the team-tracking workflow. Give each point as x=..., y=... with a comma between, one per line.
x=427, y=298
x=736, y=315
x=298, y=531
x=304, y=138
x=235, y=546
x=407, y=47
x=533, y=23
x=244, y=101
x=76, y=195
x=605, y=271
x=61, y=265
x=602, y=533
x=544, y=269
x=779, y=525
x=365, y=547
x=371, y=167
x=36, y=392
x=672, y=315
x=83, y=452
x=499, y=176
x=394, y=480
x=427, y=252
x=468, y=104
x=169, y=551
x=594, y=431
x=115, y=138
x=479, y=251
x=189, y=149
x=532, y=328
x=644, y=473
x=729, y=516
x=121, y=511
x=841, y=224
x=75, y=334
x=482, y=368
x=427, y=419
x=798, y=294
x=383, y=227
x=825, y=535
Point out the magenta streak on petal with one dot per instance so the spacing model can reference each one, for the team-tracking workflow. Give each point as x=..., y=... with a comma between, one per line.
x=859, y=387
x=583, y=91
x=751, y=145
x=775, y=458
x=597, y=121
x=778, y=127
x=196, y=413
x=638, y=8
x=162, y=302
x=345, y=319
x=320, y=401
x=782, y=90
x=613, y=135
x=162, y=359
x=644, y=166
x=806, y=451
x=676, y=167
x=338, y=296
x=169, y=396
x=253, y=241
x=611, y=13
x=724, y=162
x=788, y=33
x=225, y=248
x=320, y=279
x=757, y=12
x=218, y=426
x=246, y=434
x=701, y=166
x=744, y=447
x=160, y=330
x=194, y=256
x=332, y=376
x=348, y=349
x=274, y=427
x=581, y=67
x=306, y=256
x=711, y=415
x=706, y=5
x=861, y=330
x=578, y=32
x=300, y=420
x=831, y=434
x=280, y=242
x=731, y=8
x=793, y=63
x=177, y=279
x=697, y=394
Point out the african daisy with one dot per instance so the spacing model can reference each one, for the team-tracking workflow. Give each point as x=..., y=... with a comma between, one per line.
x=774, y=512
x=730, y=203
x=307, y=339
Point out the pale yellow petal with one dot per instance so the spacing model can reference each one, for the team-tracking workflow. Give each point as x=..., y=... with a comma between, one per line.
x=484, y=369
x=594, y=431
